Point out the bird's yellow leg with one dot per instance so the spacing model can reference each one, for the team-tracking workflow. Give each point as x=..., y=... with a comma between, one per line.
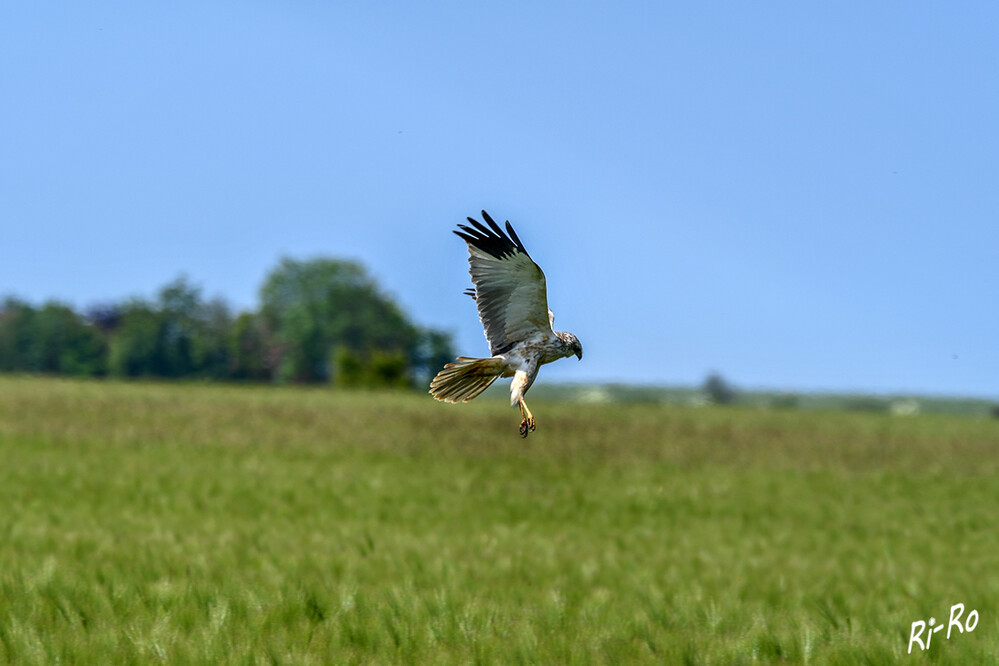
x=527, y=424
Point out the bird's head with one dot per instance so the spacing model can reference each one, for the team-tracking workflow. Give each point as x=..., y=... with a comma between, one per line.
x=573, y=344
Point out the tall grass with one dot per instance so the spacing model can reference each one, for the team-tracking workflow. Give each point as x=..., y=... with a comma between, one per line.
x=207, y=524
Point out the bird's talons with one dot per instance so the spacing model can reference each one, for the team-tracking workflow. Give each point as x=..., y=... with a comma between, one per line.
x=526, y=426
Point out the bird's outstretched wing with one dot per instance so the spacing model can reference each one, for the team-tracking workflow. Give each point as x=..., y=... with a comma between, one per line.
x=510, y=288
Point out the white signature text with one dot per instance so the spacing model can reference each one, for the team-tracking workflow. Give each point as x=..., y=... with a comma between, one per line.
x=919, y=626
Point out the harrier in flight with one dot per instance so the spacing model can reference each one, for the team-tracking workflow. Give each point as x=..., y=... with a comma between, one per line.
x=513, y=306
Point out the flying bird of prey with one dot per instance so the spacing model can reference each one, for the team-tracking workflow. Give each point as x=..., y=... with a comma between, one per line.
x=512, y=300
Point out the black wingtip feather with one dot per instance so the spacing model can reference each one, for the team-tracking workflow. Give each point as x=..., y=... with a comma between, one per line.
x=492, y=241
x=513, y=235
x=492, y=223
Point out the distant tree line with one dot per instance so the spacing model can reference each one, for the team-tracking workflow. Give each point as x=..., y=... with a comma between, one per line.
x=323, y=320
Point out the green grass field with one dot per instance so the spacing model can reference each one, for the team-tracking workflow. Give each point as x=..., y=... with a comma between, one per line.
x=145, y=523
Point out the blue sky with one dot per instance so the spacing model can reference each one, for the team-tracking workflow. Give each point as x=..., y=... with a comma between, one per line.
x=799, y=196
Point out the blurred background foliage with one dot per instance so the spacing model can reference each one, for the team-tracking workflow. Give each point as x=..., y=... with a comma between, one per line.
x=326, y=321
x=319, y=321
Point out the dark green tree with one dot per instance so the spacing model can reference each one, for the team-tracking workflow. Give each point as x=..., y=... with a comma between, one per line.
x=177, y=336
x=17, y=323
x=210, y=343
x=719, y=391
x=331, y=322
x=248, y=349
x=65, y=343
x=179, y=305
x=51, y=339
x=434, y=349
x=134, y=348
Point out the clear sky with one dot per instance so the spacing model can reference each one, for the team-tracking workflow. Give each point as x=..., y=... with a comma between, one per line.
x=797, y=195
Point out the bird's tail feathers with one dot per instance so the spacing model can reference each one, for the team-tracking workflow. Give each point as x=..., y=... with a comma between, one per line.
x=465, y=378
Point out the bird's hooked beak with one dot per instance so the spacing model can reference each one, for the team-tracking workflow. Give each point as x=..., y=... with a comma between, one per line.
x=579, y=352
